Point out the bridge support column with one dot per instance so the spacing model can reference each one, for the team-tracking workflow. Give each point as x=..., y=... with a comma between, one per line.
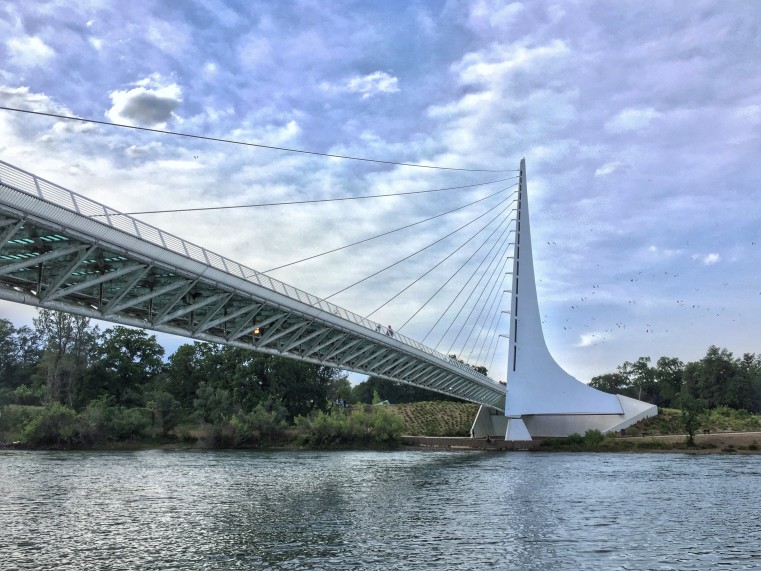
x=516, y=430
x=489, y=422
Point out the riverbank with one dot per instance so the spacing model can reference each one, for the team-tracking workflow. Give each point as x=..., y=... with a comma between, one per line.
x=428, y=425
x=712, y=443
x=716, y=443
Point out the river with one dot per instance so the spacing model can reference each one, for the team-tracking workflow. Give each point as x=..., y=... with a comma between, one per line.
x=183, y=510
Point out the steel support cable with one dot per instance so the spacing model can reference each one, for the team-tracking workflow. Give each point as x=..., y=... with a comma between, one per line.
x=462, y=289
x=475, y=322
x=465, y=263
x=460, y=247
x=470, y=314
x=495, y=296
x=496, y=257
x=492, y=327
x=494, y=355
x=299, y=202
x=480, y=325
x=494, y=342
x=481, y=263
x=389, y=232
x=493, y=346
x=414, y=253
x=243, y=143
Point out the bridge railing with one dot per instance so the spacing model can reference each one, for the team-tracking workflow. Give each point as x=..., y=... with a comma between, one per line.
x=50, y=192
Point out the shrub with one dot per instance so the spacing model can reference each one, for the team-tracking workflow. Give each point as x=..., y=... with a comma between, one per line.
x=28, y=395
x=55, y=425
x=593, y=437
x=378, y=427
x=93, y=422
x=724, y=411
x=14, y=417
x=387, y=427
x=260, y=424
x=6, y=396
x=220, y=435
x=128, y=423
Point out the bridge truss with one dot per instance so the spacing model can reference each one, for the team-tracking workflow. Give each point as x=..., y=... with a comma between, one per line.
x=60, y=250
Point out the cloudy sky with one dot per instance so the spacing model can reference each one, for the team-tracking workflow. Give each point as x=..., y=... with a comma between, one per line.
x=640, y=123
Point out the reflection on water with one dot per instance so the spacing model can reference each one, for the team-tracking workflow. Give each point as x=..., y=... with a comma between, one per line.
x=390, y=510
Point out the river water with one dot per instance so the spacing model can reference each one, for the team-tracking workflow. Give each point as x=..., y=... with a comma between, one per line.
x=378, y=510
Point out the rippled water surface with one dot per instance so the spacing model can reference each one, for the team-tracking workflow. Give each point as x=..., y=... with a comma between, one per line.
x=377, y=510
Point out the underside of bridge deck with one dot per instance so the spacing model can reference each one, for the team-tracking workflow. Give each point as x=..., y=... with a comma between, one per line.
x=57, y=254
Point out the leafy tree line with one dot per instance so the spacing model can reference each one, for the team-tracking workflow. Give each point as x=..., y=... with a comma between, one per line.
x=717, y=380
x=116, y=384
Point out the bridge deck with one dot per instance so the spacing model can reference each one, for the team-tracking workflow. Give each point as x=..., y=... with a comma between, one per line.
x=60, y=250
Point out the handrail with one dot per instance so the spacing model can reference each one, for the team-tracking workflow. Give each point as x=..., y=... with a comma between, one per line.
x=43, y=189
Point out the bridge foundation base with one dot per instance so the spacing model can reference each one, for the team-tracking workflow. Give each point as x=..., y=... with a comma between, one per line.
x=488, y=422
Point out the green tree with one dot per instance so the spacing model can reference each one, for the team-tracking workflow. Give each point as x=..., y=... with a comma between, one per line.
x=9, y=356
x=709, y=378
x=165, y=410
x=749, y=371
x=669, y=374
x=340, y=389
x=127, y=360
x=183, y=373
x=213, y=405
x=300, y=387
x=68, y=341
x=692, y=411
x=740, y=392
x=394, y=392
x=641, y=378
x=613, y=383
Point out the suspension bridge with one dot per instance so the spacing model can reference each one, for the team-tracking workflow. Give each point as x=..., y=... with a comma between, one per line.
x=63, y=251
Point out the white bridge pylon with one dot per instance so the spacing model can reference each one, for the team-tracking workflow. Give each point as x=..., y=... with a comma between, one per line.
x=542, y=399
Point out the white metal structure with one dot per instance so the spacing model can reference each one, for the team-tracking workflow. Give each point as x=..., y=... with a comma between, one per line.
x=60, y=250
x=543, y=399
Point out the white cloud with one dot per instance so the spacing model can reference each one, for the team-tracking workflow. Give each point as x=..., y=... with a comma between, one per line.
x=711, y=259
x=611, y=167
x=592, y=338
x=368, y=85
x=149, y=105
x=632, y=119
x=494, y=13
x=708, y=260
x=488, y=65
x=29, y=52
x=664, y=252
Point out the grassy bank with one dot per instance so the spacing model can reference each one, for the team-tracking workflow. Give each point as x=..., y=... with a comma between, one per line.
x=358, y=427
x=436, y=418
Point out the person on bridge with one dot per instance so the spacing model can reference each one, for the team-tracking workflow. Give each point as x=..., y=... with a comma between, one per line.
x=389, y=331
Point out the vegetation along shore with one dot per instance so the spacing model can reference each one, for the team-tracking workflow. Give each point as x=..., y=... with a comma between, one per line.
x=67, y=384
